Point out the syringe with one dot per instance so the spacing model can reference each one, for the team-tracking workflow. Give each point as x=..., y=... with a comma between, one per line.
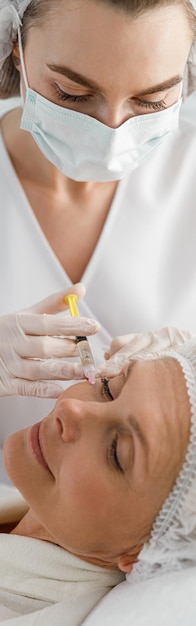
x=83, y=345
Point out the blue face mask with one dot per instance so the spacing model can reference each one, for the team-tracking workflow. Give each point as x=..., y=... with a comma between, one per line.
x=83, y=148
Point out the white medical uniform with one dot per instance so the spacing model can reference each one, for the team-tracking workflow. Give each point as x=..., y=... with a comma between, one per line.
x=142, y=274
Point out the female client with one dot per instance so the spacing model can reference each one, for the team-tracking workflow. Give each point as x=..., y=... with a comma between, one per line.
x=109, y=474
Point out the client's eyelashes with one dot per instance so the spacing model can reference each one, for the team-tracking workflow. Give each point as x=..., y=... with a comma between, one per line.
x=114, y=455
x=106, y=390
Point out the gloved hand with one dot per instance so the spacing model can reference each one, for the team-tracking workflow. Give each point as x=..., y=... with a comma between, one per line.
x=33, y=344
x=125, y=347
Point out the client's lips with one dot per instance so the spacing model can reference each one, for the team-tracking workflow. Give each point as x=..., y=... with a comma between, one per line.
x=36, y=443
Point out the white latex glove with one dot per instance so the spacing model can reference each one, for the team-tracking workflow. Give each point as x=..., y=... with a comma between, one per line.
x=125, y=347
x=34, y=343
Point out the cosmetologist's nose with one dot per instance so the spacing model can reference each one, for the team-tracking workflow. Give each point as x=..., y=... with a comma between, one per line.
x=113, y=116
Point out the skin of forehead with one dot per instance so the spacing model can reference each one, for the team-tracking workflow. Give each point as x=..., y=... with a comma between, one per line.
x=72, y=6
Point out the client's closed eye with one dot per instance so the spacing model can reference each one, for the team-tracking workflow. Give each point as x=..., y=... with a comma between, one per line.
x=113, y=453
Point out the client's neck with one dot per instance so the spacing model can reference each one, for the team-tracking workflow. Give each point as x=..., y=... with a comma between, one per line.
x=29, y=526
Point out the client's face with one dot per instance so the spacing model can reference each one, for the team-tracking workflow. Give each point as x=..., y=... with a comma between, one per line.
x=98, y=468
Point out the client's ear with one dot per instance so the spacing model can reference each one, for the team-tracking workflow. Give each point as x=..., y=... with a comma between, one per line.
x=126, y=562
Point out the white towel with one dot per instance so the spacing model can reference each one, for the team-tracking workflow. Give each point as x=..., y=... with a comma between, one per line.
x=35, y=574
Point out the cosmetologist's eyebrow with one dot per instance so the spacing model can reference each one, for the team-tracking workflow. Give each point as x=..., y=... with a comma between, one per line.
x=91, y=84
x=167, y=84
x=77, y=78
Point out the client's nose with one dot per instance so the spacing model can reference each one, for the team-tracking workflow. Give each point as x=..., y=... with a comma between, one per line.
x=69, y=419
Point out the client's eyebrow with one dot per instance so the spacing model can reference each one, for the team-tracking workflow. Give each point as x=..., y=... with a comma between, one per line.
x=130, y=369
x=138, y=431
x=131, y=419
x=92, y=84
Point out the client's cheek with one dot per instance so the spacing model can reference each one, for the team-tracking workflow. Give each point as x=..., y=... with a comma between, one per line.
x=15, y=455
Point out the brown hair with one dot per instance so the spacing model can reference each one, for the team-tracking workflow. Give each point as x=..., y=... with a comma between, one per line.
x=36, y=13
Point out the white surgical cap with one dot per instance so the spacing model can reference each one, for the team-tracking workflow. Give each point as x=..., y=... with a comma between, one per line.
x=11, y=14
x=172, y=545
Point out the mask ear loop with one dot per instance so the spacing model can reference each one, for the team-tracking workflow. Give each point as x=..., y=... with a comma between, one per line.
x=22, y=62
x=180, y=94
